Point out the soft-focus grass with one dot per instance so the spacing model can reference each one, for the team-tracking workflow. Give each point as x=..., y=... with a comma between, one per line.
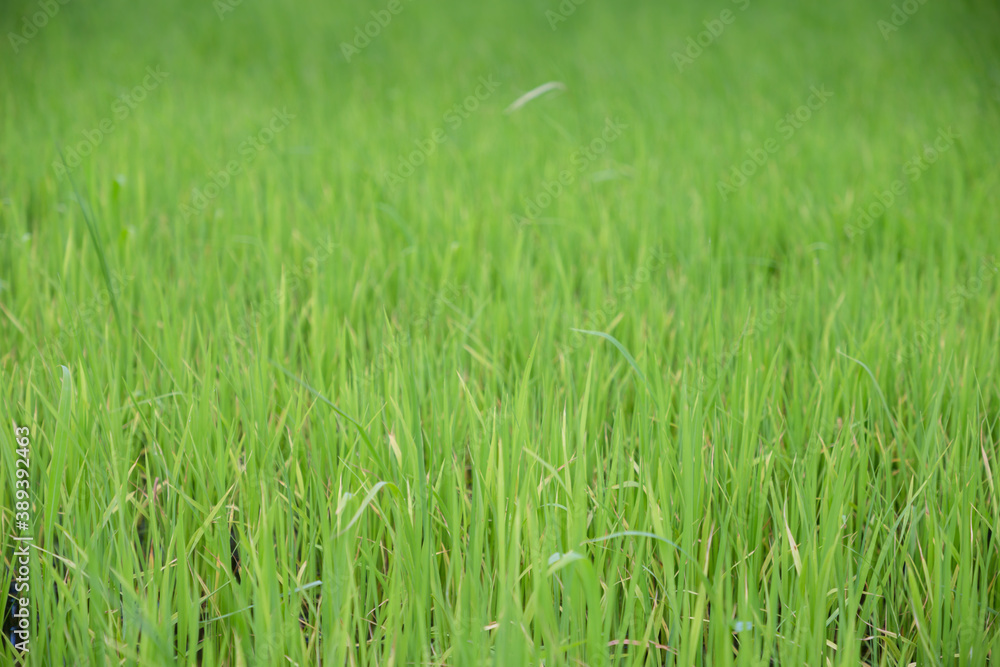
x=791, y=459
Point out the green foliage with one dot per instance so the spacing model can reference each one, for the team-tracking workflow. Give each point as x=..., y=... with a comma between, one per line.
x=656, y=368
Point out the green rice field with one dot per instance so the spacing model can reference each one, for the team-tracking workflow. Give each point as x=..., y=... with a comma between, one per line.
x=547, y=332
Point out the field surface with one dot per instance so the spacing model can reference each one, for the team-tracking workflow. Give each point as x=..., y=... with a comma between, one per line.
x=325, y=340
